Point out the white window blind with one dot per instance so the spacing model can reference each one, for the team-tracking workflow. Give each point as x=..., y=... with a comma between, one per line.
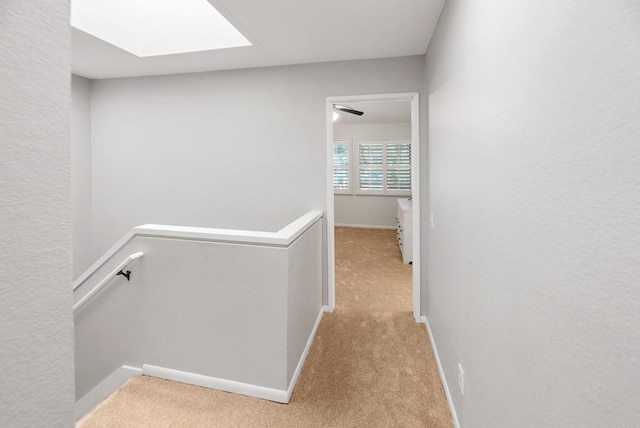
x=399, y=166
x=371, y=166
x=341, y=166
x=384, y=167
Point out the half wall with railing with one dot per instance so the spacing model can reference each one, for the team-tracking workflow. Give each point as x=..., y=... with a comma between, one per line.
x=226, y=309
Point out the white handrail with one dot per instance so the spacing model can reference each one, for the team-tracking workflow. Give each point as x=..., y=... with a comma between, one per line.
x=132, y=258
x=283, y=238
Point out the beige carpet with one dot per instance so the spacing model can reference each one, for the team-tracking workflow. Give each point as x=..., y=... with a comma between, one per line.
x=370, y=365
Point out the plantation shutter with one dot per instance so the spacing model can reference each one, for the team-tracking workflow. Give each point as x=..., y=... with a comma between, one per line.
x=399, y=166
x=384, y=167
x=371, y=166
x=341, y=166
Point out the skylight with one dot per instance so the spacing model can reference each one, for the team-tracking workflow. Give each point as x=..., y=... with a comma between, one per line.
x=156, y=27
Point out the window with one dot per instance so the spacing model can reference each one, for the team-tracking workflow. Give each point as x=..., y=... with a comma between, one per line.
x=380, y=167
x=341, y=166
x=384, y=167
x=398, y=167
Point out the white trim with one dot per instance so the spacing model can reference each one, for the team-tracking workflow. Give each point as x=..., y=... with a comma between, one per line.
x=359, y=195
x=250, y=390
x=105, y=389
x=365, y=226
x=331, y=247
x=414, y=98
x=398, y=96
x=283, y=238
x=416, y=207
x=288, y=234
x=303, y=357
x=443, y=378
x=394, y=193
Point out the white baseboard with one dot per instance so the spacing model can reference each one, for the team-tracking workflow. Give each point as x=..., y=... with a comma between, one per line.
x=271, y=394
x=105, y=389
x=280, y=396
x=124, y=373
x=303, y=357
x=365, y=226
x=443, y=378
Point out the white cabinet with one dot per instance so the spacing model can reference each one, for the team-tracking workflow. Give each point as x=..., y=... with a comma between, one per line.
x=404, y=229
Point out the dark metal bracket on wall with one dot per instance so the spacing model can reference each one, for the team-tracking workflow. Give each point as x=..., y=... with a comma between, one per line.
x=126, y=274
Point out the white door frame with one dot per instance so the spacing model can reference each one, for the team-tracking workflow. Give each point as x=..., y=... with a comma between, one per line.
x=412, y=97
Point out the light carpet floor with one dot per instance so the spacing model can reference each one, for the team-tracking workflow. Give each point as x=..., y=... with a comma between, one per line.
x=370, y=364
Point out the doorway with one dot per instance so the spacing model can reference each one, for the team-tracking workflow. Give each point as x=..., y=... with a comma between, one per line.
x=413, y=99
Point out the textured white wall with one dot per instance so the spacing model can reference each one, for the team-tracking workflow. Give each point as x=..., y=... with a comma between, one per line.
x=534, y=128
x=81, y=172
x=242, y=149
x=36, y=330
x=368, y=210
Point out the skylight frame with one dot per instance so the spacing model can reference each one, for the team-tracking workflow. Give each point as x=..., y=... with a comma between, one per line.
x=148, y=28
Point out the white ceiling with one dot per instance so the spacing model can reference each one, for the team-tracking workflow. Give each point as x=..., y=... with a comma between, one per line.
x=378, y=112
x=282, y=32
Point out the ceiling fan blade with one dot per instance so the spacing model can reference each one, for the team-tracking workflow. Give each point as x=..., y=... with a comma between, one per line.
x=348, y=110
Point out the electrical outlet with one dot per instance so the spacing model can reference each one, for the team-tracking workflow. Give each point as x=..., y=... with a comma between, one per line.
x=461, y=378
x=431, y=220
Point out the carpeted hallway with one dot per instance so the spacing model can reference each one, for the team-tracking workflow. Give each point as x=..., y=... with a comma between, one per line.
x=370, y=365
